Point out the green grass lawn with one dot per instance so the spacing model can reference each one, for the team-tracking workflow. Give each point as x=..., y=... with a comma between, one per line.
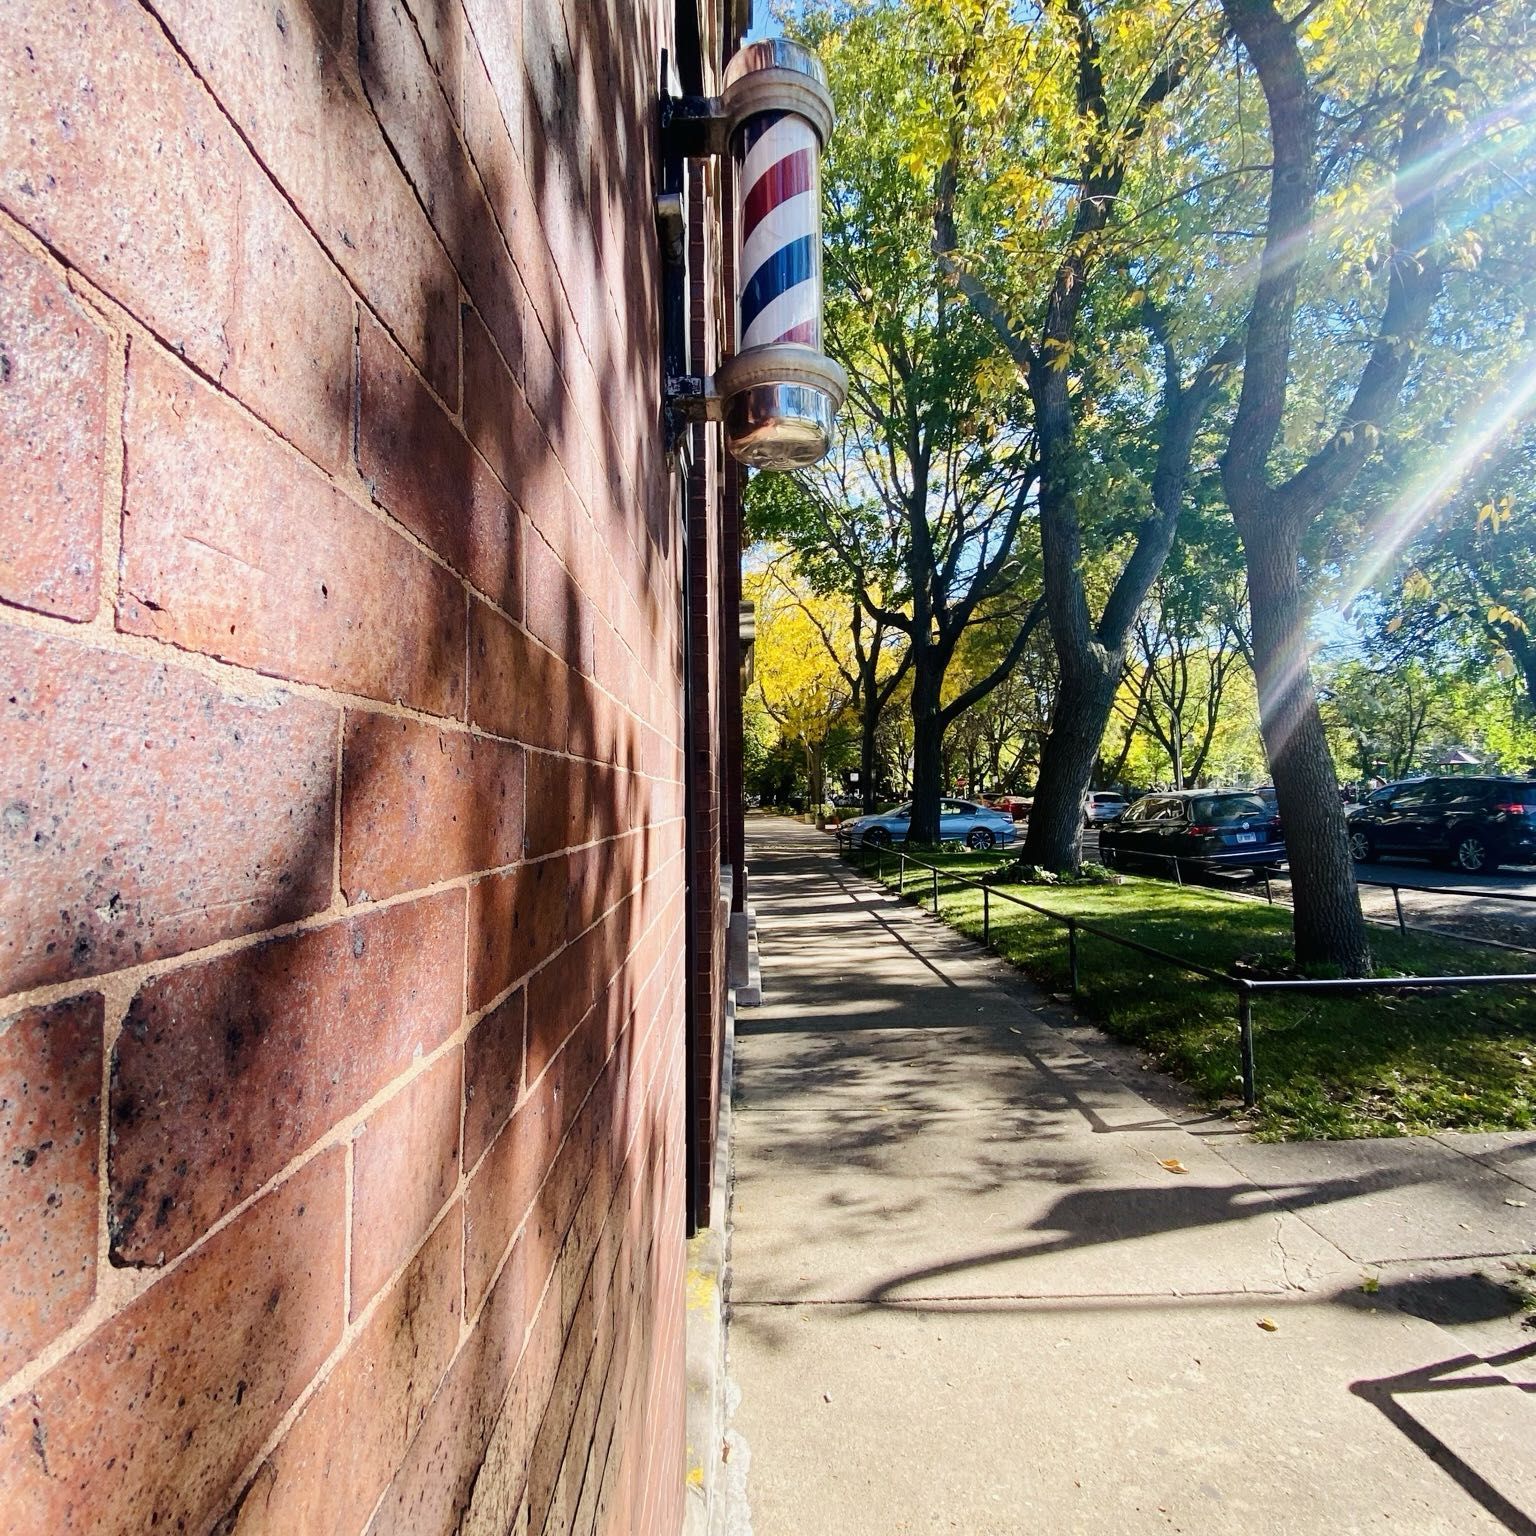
x=1375, y=1065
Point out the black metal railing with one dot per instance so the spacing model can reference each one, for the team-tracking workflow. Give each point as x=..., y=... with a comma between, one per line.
x=1397, y=887
x=1243, y=987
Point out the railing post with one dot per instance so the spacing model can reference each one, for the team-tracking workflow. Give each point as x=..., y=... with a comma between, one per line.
x=1178, y=870
x=986, y=915
x=1268, y=894
x=1245, y=1038
x=901, y=874
x=935, y=890
x=879, y=863
x=1072, y=951
x=1397, y=901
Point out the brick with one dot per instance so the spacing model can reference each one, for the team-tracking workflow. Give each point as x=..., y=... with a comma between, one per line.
x=423, y=471
x=558, y=812
x=559, y=996
x=115, y=154
x=146, y=1425
x=405, y=1164
x=505, y=1184
x=225, y=1071
x=549, y=400
x=493, y=1075
x=442, y=31
x=498, y=32
x=296, y=98
x=517, y=688
x=147, y=812
x=496, y=414
x=556, y=610
x=50, y=1128
x=330, y=1468
x=405, y=92
x=472, y=1445
x=516, y=921
x=53, y=422
x=419, y=805
x=313, y=588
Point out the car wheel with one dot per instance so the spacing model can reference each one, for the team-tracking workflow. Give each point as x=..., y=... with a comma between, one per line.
x=980, y=838
x=1361, y=849
x=1471, y=855
x=877, y=837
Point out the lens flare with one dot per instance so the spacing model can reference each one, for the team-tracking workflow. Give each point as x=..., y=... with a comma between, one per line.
x=1409, y=511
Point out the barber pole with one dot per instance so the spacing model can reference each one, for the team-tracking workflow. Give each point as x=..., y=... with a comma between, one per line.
x=780, y=232
x=781, y=394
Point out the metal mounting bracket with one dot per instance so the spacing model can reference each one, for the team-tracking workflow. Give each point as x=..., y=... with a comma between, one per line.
x=694, y=398
x=694, y=127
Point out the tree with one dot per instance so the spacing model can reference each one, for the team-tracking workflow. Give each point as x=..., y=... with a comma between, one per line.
x=1081, y=136
x=1397, y=721
x=800, y=665
x=918, y=513
x=1408, y=118
x=1191, y=644
x=1001, y=735
x=873, y=674
x=1467, y=581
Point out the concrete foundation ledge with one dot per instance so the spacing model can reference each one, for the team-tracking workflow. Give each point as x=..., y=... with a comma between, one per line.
x=707, y=1280
x=746, y=971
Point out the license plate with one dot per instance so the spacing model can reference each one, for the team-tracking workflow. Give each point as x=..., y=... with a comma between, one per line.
x=1247, y=837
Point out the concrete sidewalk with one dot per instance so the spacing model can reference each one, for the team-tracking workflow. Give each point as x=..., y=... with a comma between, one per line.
x=979, y=1284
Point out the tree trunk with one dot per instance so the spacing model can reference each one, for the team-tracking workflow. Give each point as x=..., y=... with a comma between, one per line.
x=869, y=722
x=1329, y=929
x=1079, y=717
x=927, y=746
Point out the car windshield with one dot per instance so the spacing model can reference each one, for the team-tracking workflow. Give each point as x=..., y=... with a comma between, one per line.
x=1217, y=809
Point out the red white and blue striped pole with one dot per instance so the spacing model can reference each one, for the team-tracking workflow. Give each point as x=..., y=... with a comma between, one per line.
x=781, y=394
x=780, y=261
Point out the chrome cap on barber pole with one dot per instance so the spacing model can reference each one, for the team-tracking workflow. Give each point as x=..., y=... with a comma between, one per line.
x=780, y=393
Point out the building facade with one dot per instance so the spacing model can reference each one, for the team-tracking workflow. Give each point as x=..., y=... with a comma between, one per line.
x=370, y=826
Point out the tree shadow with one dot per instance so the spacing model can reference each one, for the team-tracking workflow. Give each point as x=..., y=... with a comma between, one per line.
x=545, y=490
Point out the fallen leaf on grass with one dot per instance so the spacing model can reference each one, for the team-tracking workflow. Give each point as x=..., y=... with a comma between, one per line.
x=1172, y=1164
x=1269, y=1325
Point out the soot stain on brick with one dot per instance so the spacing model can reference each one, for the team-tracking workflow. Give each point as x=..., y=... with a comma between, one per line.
x=40, y=1438
x=123, y=1213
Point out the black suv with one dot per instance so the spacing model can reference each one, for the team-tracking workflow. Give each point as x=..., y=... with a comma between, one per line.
x=1475, y=824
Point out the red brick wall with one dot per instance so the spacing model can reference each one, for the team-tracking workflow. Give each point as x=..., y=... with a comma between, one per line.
x=342, y=1087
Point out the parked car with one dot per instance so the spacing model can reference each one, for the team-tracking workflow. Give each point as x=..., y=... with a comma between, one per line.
x=977, y=826
x=1016, y=806
x=1103, y=805
x=1474, y=824
x=1203, y=829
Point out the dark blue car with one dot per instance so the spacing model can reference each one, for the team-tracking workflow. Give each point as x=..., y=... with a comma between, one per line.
x=1203, y=829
